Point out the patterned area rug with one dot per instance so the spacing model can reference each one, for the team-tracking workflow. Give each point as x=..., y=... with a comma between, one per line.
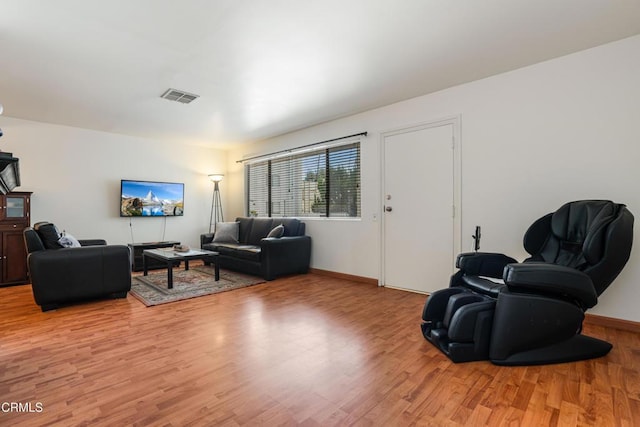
x=197, y=281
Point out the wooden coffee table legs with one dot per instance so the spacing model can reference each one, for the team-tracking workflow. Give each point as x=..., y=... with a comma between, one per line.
x=170, y=263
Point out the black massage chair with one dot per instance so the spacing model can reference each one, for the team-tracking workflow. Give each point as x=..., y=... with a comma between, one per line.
x=531, y=313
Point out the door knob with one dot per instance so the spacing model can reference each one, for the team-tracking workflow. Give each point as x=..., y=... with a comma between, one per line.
x=388, y=208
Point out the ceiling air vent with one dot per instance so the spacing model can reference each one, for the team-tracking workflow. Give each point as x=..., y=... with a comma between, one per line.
x=179, y=96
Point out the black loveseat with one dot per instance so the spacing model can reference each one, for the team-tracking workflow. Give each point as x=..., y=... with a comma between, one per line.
x=63, y=275
x=251, y=251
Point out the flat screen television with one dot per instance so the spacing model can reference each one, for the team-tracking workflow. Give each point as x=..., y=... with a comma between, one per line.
x=150, y=198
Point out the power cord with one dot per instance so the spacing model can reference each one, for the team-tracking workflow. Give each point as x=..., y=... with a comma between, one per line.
x=131, y=230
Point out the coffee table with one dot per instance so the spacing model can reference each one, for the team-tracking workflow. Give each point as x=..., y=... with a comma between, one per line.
x=170, y=256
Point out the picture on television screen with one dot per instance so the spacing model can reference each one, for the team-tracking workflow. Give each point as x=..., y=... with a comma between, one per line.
x=147, y=198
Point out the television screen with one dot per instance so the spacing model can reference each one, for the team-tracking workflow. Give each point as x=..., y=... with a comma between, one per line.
x=147, y=198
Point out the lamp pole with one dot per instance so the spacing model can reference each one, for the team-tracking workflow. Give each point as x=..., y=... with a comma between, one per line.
x=216, y=204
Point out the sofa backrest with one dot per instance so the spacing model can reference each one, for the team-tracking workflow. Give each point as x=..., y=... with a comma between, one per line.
x=292, y=226
x=245, y=229
x=32, y=240
x=252, y=229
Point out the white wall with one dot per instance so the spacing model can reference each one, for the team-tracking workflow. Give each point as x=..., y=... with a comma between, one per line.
x=532, y=139
x=75, y=178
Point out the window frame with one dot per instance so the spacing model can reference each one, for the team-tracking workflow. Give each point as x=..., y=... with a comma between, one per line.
x=288, y=167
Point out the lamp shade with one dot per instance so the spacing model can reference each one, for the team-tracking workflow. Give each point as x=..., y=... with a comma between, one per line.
x=216, y=177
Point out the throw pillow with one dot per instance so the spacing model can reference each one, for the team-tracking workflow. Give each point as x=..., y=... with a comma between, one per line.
x=68, y=241
x=49, y=234
x=226, y=232
x=277, y=231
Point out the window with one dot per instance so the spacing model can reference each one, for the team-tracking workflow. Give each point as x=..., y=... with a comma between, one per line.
x=320, y=182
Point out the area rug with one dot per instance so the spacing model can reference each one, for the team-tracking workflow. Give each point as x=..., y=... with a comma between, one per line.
x=197, y=281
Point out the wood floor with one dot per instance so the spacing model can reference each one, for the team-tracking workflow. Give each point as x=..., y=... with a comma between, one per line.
x=307, y=350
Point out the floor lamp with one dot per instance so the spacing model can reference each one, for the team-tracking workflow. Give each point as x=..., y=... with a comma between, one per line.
x=216, y=204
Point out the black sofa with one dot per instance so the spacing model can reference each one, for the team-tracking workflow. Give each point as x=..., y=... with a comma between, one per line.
x=63, y=275
x=254, y=253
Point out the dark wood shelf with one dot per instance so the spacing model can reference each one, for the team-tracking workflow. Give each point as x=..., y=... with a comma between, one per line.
x=15, y=211
x=136, y=254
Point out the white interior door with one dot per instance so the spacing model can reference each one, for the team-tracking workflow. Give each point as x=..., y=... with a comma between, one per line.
x=420, y=218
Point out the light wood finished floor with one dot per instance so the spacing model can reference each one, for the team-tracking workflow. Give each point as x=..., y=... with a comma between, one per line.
x=307, y=350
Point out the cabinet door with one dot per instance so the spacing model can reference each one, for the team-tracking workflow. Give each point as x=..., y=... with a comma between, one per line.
x=14, y=257
x=15, y=207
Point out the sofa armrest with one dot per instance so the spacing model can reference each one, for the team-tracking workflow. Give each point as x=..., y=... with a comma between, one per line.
x=284, y=255
x=92, y=242
x=539, y=277
x=79, y=273
x=483, y=263
x=206, y=238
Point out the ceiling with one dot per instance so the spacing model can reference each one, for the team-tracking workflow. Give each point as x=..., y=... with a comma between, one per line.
x=264, y=68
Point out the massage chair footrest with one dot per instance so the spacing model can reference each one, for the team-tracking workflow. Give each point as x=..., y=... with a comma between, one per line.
x=579, y=347
x=457, y=352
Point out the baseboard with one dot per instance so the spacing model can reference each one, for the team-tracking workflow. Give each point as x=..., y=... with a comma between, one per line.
x=336, y=275
x=611, y=322
x=592, y=319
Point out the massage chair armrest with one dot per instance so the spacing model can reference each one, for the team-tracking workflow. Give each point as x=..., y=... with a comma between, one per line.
x=284, y=255
x=206, y=238
x=483, y=263
x=543, y=278
x=92, y=242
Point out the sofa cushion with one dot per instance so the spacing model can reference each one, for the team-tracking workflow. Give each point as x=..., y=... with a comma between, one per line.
x=291, y=226
x=245, y=228
x=276, y=231
x=49, y=234
x=259, y=230
x=226, y=232
x=225, y=248
x=248, y=252
x=236, y=250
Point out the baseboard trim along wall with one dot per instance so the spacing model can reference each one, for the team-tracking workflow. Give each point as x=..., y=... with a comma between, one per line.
x=611, y=322
x=592, y=319
x=336, y=275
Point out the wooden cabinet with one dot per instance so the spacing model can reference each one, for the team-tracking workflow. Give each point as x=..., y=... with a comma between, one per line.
x=15, y=211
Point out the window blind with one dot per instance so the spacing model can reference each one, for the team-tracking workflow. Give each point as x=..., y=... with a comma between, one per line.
x=318, y=182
